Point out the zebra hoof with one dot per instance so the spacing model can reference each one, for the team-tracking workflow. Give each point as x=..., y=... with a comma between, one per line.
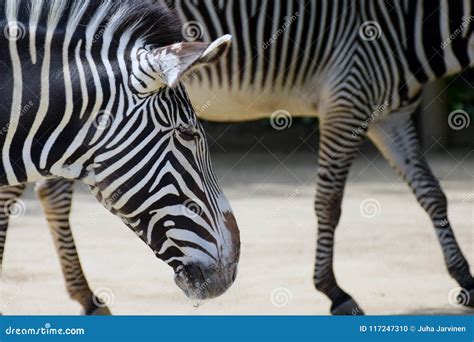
x=98, y=311
x=104, y=311
x=347, y=308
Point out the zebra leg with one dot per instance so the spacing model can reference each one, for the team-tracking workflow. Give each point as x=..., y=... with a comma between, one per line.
x=397, y=140
x=338, y=148
x=8, y=196
x=55, y=196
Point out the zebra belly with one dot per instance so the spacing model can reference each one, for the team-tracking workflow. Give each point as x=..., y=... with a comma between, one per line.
x=223, y=105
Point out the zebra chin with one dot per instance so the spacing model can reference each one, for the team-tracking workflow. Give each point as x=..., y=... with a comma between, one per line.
x=199, y=282
x=206, y=278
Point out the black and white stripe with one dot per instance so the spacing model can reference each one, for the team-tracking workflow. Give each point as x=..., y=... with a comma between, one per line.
x=319, y=58
x=323, y=59
x=91, y=91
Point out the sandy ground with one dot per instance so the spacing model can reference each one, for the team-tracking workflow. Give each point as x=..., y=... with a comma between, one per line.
x=390, y=263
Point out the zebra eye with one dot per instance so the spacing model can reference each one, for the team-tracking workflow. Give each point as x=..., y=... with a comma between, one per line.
x=189, y=133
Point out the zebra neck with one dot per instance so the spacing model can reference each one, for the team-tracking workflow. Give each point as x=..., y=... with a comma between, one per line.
x=440, y=39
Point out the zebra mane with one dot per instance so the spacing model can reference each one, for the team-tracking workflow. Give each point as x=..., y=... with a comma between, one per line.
x=150, y=20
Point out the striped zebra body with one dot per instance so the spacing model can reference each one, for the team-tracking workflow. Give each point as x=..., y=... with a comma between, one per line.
x=91, y=91
x=360, y=67
x=303, y=56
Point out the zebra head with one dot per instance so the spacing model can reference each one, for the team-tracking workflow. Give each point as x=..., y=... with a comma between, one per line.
x=170, y=196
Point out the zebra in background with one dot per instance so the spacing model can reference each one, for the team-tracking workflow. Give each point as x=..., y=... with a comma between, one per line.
x=100, y=81
x=360, y=67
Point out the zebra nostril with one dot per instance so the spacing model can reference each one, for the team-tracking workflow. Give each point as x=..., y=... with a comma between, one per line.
x=201, y=273
x=179, y=269
x=194, y=273
x=234, y=274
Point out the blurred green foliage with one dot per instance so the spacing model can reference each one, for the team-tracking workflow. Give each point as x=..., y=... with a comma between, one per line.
x=461, y=92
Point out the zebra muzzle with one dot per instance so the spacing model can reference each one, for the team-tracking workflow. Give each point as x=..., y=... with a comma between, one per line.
x=200, y=282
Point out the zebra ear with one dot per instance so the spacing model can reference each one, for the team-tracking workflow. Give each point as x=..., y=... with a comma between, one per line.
x=176, y=61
